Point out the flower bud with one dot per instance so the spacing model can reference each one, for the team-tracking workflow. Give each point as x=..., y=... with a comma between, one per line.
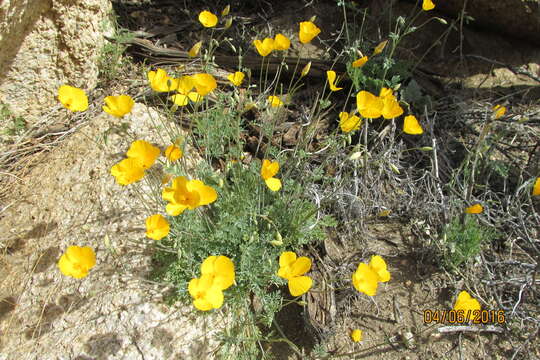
x=306, y=69
x=394, y=168
x=226, y=11
x=276, y=243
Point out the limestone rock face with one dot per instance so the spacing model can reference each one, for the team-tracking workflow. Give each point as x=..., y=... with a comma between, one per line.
x=47, y=43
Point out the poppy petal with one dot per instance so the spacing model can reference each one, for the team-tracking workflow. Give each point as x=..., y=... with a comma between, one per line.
x=300, y=285
x=301, y=266
x=273, y=184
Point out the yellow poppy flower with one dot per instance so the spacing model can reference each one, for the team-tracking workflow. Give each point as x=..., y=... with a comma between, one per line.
x=466, y=303
x=275, y=101
x=173, y=153
x=356, y=335
x=308, y=31
x=391, y=108
x=183, y=100
x=366, y=278
x=293, y=269
x=187, y=194
x=179, y=197
x=360, y=62
x=427, y=5
x=268, y=170
x=157, y=227
x=222, y=268
x=204, y=83
x=536, y=187
x=331, y=76
x=77, y=261
x=144, y=152
x=127, y=171
x=185, y=85
x=217, y=274
x=118, y=106
x=281, y=42
x=379, y=48
x=474, y=209
x=194, y=51
x=412, y=126
x=265, y=47
x=369, y=105
x=349, y=123
x=73, y=98
x=499, y=111
x=180, y=100
x=206, y=295
x=160, y=82
x=237, y=78
x=207, y=19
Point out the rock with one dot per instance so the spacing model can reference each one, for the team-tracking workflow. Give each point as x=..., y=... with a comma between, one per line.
x=518, y=18
x=112, y=313
x=47, y=43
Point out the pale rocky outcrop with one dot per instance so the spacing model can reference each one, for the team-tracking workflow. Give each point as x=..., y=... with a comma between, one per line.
x=44, y=44
x=115, y=313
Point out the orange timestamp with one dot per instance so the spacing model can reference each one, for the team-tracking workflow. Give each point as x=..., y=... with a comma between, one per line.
x=462, y=316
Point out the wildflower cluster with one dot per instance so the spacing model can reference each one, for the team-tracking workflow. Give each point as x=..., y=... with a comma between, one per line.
x=249, y=199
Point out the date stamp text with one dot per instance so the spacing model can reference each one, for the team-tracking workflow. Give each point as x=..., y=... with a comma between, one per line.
x=464, y=317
